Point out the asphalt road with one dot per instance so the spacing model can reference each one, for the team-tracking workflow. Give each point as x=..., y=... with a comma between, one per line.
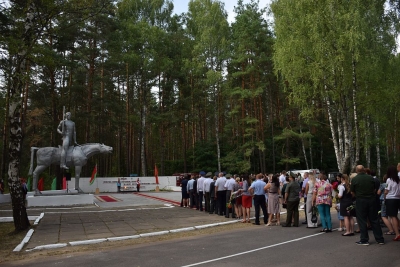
x=250, y=246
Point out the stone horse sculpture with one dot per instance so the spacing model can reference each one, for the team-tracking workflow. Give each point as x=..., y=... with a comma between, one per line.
x=77, y=157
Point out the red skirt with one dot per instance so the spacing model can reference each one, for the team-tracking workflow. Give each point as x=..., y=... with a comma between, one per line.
x=247, y=201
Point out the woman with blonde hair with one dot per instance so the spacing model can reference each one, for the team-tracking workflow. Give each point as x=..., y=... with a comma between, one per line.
x=309, y=191
x=346, y=201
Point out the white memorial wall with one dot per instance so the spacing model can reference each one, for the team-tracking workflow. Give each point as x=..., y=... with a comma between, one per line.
x=109, y=184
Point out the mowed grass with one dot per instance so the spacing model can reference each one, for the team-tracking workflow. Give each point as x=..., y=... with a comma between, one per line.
x=9, y=240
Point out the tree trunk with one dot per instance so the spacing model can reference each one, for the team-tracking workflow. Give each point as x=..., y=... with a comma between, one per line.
x=303, y=147
x=143, y=133
x=333, y=132
x=367, y=147
x=378, y=151
x=20, y=216
x=356, y=128
x=5, y=130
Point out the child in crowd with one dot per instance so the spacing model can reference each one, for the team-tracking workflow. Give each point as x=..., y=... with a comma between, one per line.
x=340, y=218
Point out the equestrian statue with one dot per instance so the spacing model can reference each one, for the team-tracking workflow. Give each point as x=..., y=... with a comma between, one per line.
x=66, y=155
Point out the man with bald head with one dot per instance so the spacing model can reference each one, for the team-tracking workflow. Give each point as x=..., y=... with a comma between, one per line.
x=363, y=189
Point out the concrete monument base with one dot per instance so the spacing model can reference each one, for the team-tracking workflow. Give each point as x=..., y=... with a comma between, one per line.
x=54, y=193
x=5, y=198
x=49, y=200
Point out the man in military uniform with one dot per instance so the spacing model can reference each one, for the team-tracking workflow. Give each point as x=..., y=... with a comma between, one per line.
x=67, y=129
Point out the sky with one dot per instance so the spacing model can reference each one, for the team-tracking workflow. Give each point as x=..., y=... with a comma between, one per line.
x=181, y=6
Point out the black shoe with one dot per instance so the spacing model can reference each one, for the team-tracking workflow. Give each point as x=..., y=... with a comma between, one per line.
x=328, y=231
x=363, y=243
x=304, y=222
x=256, y=223
x=226, y=216
x=286, y=225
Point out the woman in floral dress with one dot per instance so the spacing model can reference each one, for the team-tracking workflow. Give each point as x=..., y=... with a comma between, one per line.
x=322, y=198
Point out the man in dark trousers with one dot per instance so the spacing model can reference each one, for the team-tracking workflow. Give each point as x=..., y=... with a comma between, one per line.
x=200, y=190
x=190, y=191
x=195, y=195
x=257, y=190
x=206, y=189
x=220, y=194
x=230, y=182
x=303, y=189
x=292, y=200
x=213, y=206
x=363, y=189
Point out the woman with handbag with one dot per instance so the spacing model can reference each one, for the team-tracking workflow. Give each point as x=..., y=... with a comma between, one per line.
x=309, y=207
x=346, y=201
x=392, y=199
x=322, y=197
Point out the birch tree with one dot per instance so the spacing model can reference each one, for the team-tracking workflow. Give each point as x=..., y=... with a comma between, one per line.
x=326, y=52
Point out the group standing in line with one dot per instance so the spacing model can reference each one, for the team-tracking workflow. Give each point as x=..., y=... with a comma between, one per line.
x=359, y=197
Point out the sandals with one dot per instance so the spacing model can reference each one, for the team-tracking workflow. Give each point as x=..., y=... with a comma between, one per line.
x=390, y=233
x=397, y=238
x=349, y=234
x=323, y=230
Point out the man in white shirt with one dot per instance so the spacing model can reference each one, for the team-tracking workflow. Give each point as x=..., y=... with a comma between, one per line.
x=189, y=189
x=282, y=179
x=230, y=182
x=220, y=193
x=206, y=190
x=303, y=188
x=200, y=188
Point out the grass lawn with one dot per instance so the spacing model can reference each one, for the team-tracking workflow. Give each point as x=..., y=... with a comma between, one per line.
x=9, y=240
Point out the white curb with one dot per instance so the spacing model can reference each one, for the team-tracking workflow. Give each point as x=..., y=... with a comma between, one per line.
x=182, y=230
x=38, y=219
x=119, y=238
x=228, y=222
x=50, y=246
x=24, y=241
x=206, y=226
x=11, y=219
x=87, y=242
x=154, y=233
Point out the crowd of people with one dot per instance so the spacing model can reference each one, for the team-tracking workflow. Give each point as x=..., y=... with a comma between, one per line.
x=360, y=197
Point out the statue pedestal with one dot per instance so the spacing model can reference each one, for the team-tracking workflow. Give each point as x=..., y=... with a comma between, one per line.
x=54, y=193
x=5, y=198
x=49, y=199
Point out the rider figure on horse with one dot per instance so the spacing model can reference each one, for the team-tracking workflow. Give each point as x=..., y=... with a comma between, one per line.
x=67, y=129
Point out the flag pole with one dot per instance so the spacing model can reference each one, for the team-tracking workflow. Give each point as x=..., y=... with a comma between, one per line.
x=97, y=186
x=156, y=176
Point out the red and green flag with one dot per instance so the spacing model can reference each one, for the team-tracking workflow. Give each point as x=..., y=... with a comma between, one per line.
x=94, y=174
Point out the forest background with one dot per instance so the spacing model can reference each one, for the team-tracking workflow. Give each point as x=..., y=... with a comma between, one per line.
x=316, y=88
